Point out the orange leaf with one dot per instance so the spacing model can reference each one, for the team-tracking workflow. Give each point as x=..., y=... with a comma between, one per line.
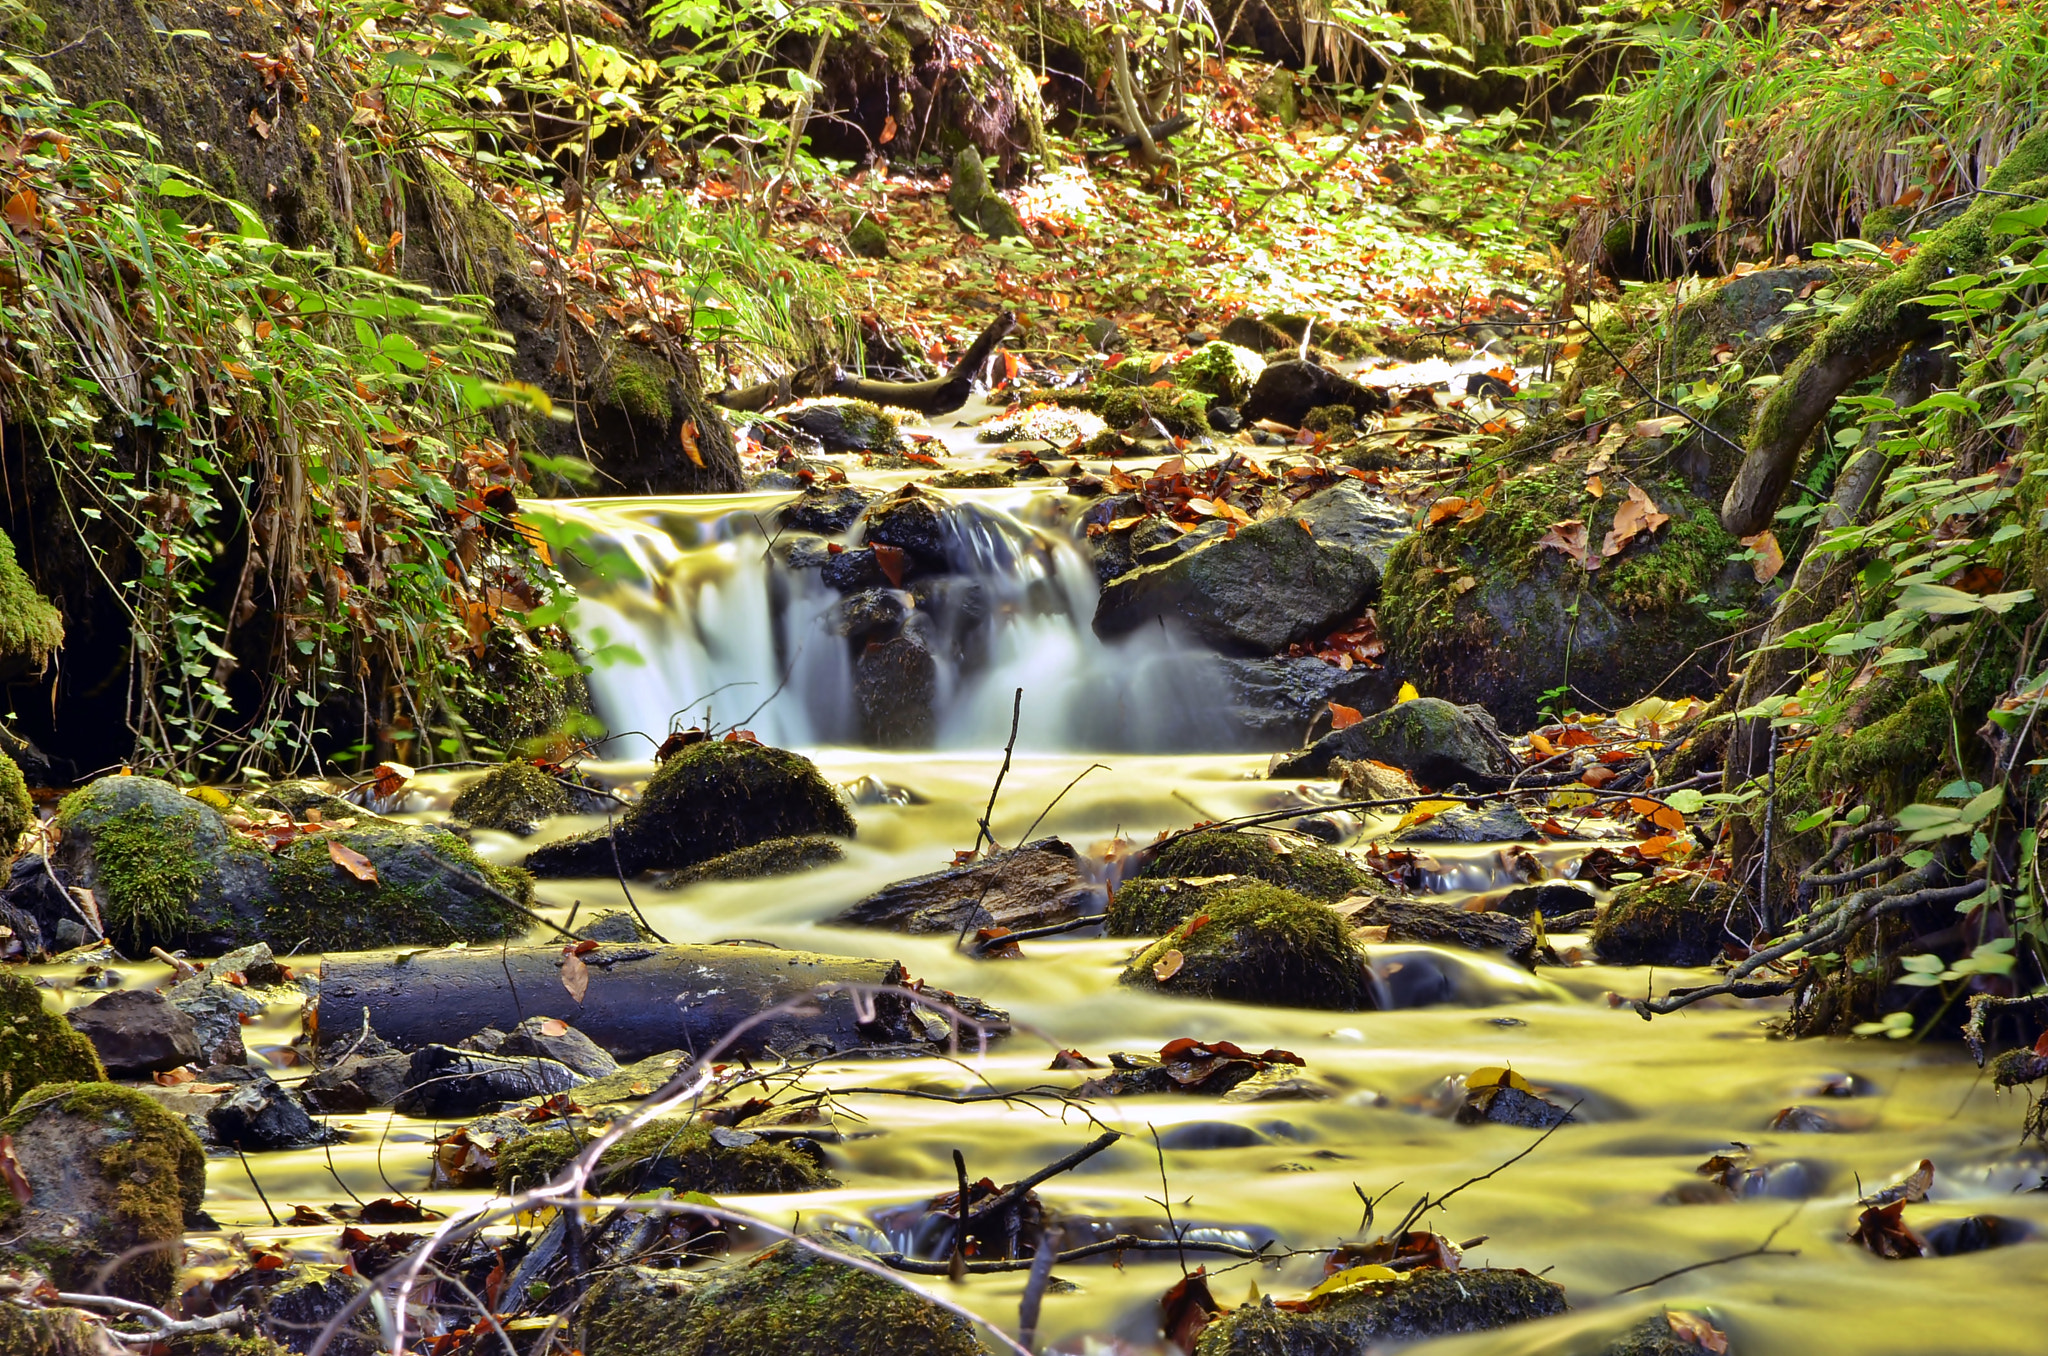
x=1446, y=507
x=1663, y=816
x=1167, y=966
x=688, y=435
x=892, y=560
x=1009, y=366
x=1343, y=717
x=575, y=974
x=888, y=130
x=1569, y=537
x=1594, y=486
x=1770, y=558
x=21, y=210
x=554, y=1026
x=351, y=861
x=1597, y=776
x=1637, y=516
x=1575, y=738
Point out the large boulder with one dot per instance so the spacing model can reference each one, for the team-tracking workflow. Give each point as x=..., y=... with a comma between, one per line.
x=1030, y=886
x=790, y=1300
x=1438, y=744
x=36, y=1045
x=1286, y=391
x=1282, y=580
x=1300, y=864
x=1375, y=1315
x=1678, y=920
x=137, y=1032
x=896, y=691
x=167, y=869
x=111, y=1177
x=710, y=799
x=1259, y=944
x=1273, y=702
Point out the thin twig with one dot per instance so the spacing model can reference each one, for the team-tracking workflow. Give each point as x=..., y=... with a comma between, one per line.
x=1763, y=1249
x=1016, y=714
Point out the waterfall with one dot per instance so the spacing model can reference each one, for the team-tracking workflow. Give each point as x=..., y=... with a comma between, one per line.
x=732, y=623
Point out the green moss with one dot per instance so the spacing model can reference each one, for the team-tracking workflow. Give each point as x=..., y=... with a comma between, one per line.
x=867, y=239
x=427, y=892
x=638, y=385
x=1178, y=410
x=31, y=628
x=787, y=1301
x=151, y=1174
x=17, y=811
x=1619, y=238
x=1330, y=419
x=146, y=873
x=1888, y=758
x=1297, y=863
x=868, y=424
x=36, y=1045
x=1146, y=907
x=715, y=797
x=669, y=1153
x=49, y=1332
x=1221, y=370
x=1882, y=225
x=1689, y=553
x=776, y=857
x=1261, y=944
x=526, y=697
x=1674, y=921
x=512, y=798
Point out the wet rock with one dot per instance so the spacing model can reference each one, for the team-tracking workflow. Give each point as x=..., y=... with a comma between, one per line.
x=855, y=571
x=1224, y=370
x=776, y=857
x=1492, y=823
x=36, y=1045
x=442, y=1081
x=1806, y=1120
x=614, y=925
x=896, y=691
x=1279, y=581
x=871, y=615
x=551, y=1038
x=825, y=510
x=261, y=1115
x=789, y=1300
x=305, y=797
x=224, y=994
x=1102, y=332
x=1507, y=1099
x=1147, y=907
x=1676, y=921
x=137, y=1033
x=33, y=896
x=1030, y=886
x=168, y=870
x=1408, y=920
x=1428, y=1302
x=1975, y=1233
x=1654, y=1336
x=844, y=425
x=511, y=799
x=1272, y=701
x=1286, y=391
x=293, y=1304
x=1260, y=944
x=1438, y=744
x=1191, y=1136
x=112, y=1178
x=708, y=800
x=1552, y=899
x=1292, y=860
x=357, y=1083
x=912, y=520
x=675, y=1155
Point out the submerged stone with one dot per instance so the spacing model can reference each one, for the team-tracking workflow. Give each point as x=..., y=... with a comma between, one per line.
x=776, y=857
x=1408, y=920
x=512, y=799
x=1428, y=1302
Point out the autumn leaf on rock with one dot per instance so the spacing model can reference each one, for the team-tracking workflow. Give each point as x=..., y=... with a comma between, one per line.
x=1770, y=558
x=688, y=436
x=1168, y=965
x=1637, y=516
x=575, y=974
x=893, y=561
x=10, y=1168
x=351, y=861
x=1569, y=537
x=1343, y=717
x=1447, y=507
x=1691, y=1328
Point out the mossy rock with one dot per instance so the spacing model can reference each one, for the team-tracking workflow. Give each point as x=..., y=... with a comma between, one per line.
x=844, y=425
x=776, y=857
x=1428, y=1302
x=512, y=799
x=36, y=1045
x=638, y=384
x=712, y=798
x=976, y=203
x=169, y=871
x=1219, y=369
x=1673, y=921
x=302, y=799
x=787, y=1301
x=1176, y=409
x=1292, y=860
x=1261, y=944
x=868, y=239
x=113, y=1176
x=1147, y=907
x=17, y=811
x=1330, y=419
x=1651, y=1337
x=51, y=1332
x=526, y=697
x=671, y=1154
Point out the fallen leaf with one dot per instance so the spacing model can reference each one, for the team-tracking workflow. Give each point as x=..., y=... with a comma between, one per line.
x=687, y=434
x=575, y=974
x=1168, y=965
x=1595, y=487
x=351, y=861
x=10, y=1168
x=1447, y=507
x=554, y=1026
x=893, y=561
x=1691, y=1328
x=1343, y=717
x=1406, y=694
x=1663, y=816
x=1569, y=537
x=21, y=210
x=1597, y=776
x=1637, y=516
x=390, y=779
x=1657, y=428
x=1769, y=558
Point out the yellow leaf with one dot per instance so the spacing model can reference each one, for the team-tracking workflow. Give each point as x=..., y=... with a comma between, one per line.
x=1426, y=811
x=351, y=861
x=1406, y=694
x=1168, y=965
x=1351, y=1276
x=1494, y=1077
x=1570, y=800
x=1769, y=557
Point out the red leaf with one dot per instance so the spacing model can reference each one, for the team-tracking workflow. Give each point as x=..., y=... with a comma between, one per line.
x=892, y=560
x=1343, y=717
x=351, y=861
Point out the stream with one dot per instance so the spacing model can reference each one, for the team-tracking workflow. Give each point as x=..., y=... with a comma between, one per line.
x=1594, y=1206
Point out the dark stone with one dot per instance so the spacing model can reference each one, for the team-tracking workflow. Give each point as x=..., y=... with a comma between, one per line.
x=1287, y=390
x=1436, y=743
x=1491, y=823
x=829, y=512
x=137, y=1033
x=1552, y=899
x=975, y=203
x=589, y=853
x=1408, y=920
x=1225, y=418
x=1191, y=1136
x=1663, y=922
x=1273, y=700
x=896, y=689
x=1505, y=1105
x=1429, y=1302
x=871, y=614
x=566, y=1046
x=914, y=521
x=844, y=425
x=33, y=895
x=1103, y=333
x=1030, y=886
x=1273, y=584
x=294, y=1304
x=357, y=1084
x=261, y=1115
x=443, y=1081
x=855, y=571
x=801, y=551
x=1156, y=541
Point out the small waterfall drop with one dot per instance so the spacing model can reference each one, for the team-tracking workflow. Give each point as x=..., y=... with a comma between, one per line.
x=728, y=615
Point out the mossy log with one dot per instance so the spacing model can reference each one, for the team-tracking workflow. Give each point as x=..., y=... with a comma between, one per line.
x=640, y=1000
x=1869, y=337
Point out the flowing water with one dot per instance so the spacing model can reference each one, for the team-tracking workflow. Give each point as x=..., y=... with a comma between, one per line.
x=1592, y=1206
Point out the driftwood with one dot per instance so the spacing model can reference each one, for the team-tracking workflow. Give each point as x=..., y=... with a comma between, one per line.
x=639, y=1000
x=940, y=395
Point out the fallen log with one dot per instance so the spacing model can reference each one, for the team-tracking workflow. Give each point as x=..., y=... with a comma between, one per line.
x=940, y=395
x=638, y=1000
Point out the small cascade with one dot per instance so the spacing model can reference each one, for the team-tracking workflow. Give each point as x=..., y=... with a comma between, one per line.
x=736, y=622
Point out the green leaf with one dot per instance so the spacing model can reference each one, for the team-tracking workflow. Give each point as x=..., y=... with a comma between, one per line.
x=1807, y=823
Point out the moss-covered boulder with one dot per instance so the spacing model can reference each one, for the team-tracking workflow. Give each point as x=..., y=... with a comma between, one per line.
x=845, y=425
x=1179, y=410
x=54, y=1332
x=1282, y=580
x=976, y=203
x=31, y=628
x=710, y=799
x=1290, y=859
x=512, y=799
x=1674, y=920
x=1221, y=370
x=17, y=811
x=1437, y=743
x=1145, y=907
x=787, y=1301
x=669, y=1154
x=36, y=1045
x=112, y=1177
x=168, y=870
x=1428, y=1302
x=776, y=857
x=1259, y=944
